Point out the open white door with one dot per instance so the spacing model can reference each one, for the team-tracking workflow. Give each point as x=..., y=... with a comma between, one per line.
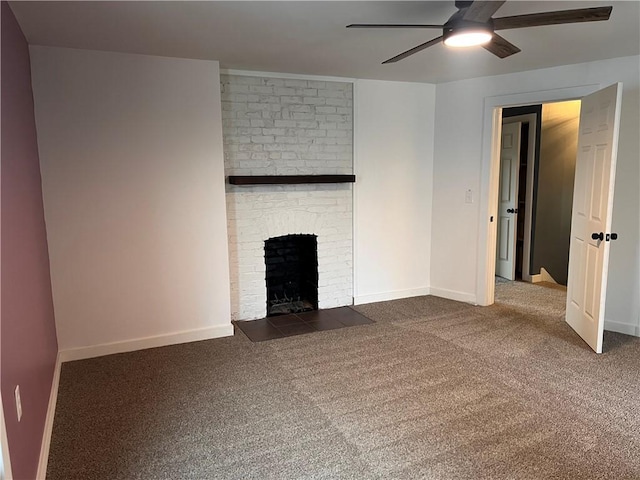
x=591, y=216
x=508, y=201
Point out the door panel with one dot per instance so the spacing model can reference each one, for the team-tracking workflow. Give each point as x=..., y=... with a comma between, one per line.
x=592, y=207
x=505, y=227
x=508, y=200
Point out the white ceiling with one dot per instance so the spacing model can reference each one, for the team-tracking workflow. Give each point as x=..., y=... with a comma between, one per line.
x=308, y=37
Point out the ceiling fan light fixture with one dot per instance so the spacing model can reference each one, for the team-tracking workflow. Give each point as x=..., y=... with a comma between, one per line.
x=467, y=38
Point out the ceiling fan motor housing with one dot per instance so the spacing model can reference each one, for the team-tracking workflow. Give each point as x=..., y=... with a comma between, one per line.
x=457, y=24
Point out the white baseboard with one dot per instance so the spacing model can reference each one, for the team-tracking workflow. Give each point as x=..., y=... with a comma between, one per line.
x=148, y=342
x=619, y=327
x=48, y=423
x=454, y=295
x=385, y=296
x=546, y=276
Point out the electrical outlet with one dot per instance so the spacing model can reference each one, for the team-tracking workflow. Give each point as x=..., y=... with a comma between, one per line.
x=18, y=402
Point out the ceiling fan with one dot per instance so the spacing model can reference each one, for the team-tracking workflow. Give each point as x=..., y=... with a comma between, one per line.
x=473, y=24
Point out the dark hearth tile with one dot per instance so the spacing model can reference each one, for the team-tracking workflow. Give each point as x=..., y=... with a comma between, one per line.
x=310, y=316
x=299, y=329
x=251, y=324
x=349, y=317
x=284, y=320
x=259, y=330
x=289, y=325
x=344, y=315
x=321, y=323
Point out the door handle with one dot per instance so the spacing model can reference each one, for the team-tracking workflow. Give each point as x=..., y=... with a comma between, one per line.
x=512, y=210
x=598, y=236
x=611, y=236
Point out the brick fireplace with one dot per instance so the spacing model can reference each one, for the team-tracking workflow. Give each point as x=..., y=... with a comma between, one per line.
x=275, y=126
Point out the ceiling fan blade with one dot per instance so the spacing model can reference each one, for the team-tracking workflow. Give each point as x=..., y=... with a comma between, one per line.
x=501, y=47
x=481, y=11
x=391, y=25
x=414, y=50
x=596, y=14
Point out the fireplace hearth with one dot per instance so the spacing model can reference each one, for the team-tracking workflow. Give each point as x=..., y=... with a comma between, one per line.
x=291, y=274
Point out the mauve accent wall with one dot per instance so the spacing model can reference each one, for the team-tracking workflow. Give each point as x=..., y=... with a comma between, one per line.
x=28, y=336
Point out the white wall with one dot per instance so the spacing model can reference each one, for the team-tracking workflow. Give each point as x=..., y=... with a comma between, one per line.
x=394, y=128
x=458, y=167
x=133, y=186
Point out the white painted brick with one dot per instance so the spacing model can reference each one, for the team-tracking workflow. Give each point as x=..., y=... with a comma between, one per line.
x=338, y=102
x=276, y=82
x=326, y=110
x=239, y=139
x=260, y=89
x=236, y=88
x=290, y=140
x=305, y=140
x=250, y=147
x=296, y=83
x=331, y=93
x=314, y=100
x=273, y=131
x=315, y=133
x=285, y=91
x=300, y=108
x=262, y=139
x=337, y=133
x=269, y=99
x=271, y=114
x=302, y=116
x=303, y=124
x=234, y=107
x=285, y=123
x=248, y=131
x=287, y=100
x=338, y=86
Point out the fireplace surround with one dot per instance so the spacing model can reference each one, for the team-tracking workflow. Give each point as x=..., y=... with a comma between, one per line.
x=281, y=137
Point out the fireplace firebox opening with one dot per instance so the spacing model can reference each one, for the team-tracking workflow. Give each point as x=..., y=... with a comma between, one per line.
x=291, y=274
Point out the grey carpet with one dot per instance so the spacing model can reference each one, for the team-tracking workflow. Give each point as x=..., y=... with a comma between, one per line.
x=435, y=389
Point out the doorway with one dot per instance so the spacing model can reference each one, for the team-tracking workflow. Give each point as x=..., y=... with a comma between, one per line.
x=599, y=128
x=492, y=127
x=535, y=191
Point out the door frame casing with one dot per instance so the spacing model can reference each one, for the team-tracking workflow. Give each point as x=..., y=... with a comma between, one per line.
x=490, y=170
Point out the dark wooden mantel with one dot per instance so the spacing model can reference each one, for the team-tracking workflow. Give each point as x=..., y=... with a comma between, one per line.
x=289, y=179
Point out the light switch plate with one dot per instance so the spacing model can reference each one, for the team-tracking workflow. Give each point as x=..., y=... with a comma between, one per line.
x=468, y=196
